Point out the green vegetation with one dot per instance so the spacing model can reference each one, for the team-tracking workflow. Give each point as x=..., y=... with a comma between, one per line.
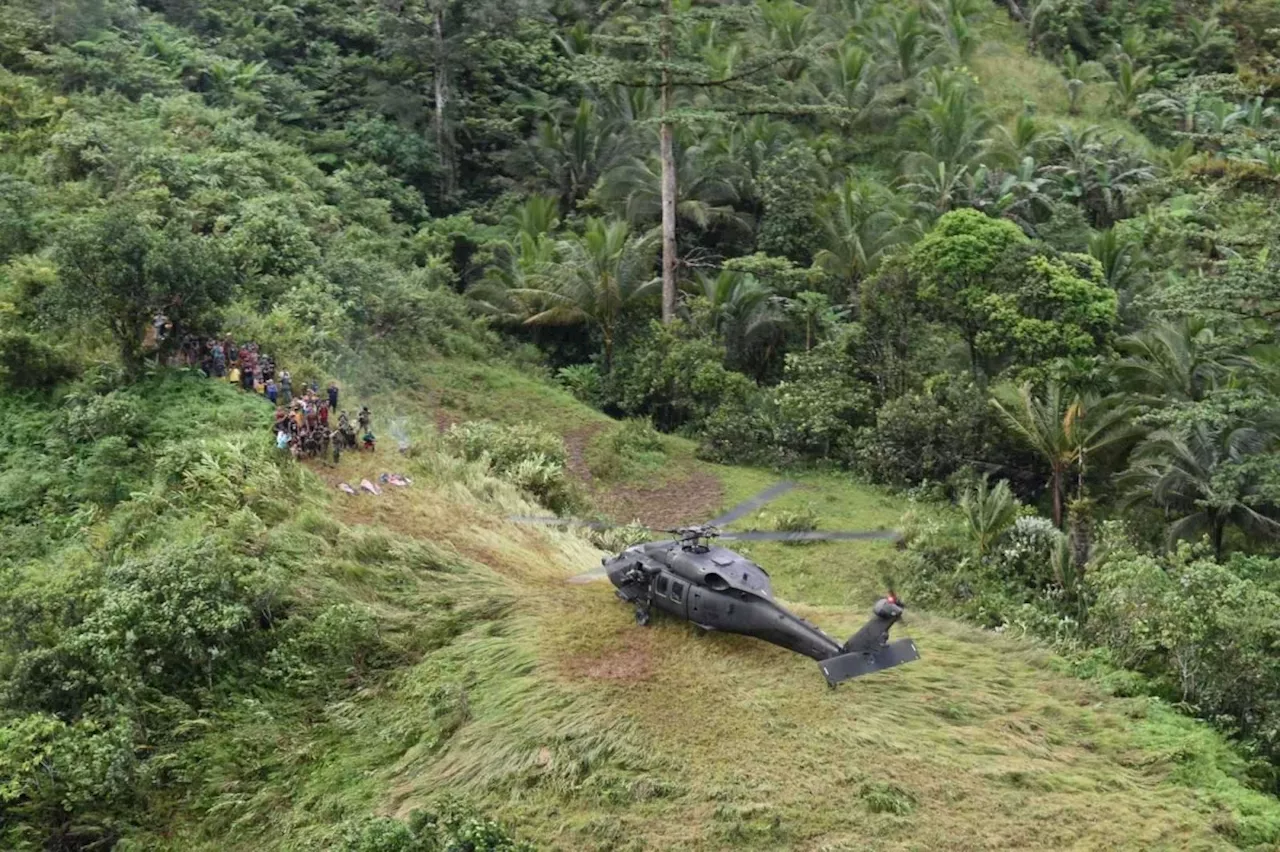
x=1002, y=275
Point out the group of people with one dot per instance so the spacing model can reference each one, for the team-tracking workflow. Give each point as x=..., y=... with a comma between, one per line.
x=303, y=429
x=302, y=421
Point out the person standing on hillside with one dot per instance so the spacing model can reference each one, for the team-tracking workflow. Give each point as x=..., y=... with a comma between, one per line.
x=286, y=386
x=271, y=391
x=333, y=396
x=219, y=359
x=364, y=418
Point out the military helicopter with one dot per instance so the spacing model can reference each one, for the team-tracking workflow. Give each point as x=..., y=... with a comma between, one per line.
x=691, y=578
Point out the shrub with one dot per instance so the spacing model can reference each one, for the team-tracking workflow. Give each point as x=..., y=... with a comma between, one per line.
x=1026, y=552
x=450, y=827
x=928, y=434
x=28, y=361
x=584, y=382
x=987, y=513
x=529, y=457
x=618, y=539
x=739, y=433
x=633, y=447
x=636, y=436
x=883, y=797
x=819, y=404
x=676, y=379
x=1199, y=629
x=803, y=519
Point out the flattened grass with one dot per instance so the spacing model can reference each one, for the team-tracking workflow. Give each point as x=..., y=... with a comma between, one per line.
x=544, y=704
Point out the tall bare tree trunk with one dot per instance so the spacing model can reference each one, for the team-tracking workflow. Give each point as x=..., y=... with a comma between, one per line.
x=668, y=174
x=443, y=148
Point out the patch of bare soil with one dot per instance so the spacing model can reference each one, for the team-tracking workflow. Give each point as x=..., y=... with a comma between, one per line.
x=575, y=445
x=630, y=663
x=444, y=419
x=690, y=499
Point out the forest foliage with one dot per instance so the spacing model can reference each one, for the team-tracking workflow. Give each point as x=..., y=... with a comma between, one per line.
x=1056, y=309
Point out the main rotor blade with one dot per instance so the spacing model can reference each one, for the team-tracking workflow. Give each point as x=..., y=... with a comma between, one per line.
x=773, y=492
x=814, y=535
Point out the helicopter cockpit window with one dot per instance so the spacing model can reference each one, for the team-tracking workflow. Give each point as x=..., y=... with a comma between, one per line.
x=661, y=585
x=677, y=591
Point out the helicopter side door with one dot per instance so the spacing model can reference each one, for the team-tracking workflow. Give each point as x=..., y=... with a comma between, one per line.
x=671, y=594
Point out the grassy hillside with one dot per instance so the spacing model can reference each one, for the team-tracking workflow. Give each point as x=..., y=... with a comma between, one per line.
x=545, y=704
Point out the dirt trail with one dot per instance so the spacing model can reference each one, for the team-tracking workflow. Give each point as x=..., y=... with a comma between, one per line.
x=693, y=498
x=575, y=444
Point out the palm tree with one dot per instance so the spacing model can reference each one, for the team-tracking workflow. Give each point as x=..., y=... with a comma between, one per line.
x=1189, y=475
x=903, y=40
x=987, y=512
x=707, y=186
x=949, y=125
x=594, y=278
x=744, y=311
x=1017, y=195
x=1025, y=139
x=1174, y=362
x=1120, y=258
x=1130, y=81
x=522, y=261
x=1078, y=75
x=574, y=147
x=1064, y=430
x=852, y=77
x=937, y=186
x=862, y=220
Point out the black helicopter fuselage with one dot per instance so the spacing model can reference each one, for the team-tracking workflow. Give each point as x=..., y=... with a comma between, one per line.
x=718, y=589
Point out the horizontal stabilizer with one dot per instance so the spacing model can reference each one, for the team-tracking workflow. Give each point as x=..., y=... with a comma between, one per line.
x=846, y=666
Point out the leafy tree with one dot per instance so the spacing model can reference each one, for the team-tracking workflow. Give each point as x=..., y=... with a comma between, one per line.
x=955, y=266
x=790, y=192
x=119, y=269
x=1052, y=306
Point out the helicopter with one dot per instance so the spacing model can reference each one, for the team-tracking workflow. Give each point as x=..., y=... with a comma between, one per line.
x=691, y=578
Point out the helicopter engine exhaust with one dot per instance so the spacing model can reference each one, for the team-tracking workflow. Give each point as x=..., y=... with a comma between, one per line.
x=869, y=650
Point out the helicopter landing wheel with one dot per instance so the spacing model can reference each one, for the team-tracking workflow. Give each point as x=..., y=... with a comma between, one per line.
x=832, y=686
x=642, y=617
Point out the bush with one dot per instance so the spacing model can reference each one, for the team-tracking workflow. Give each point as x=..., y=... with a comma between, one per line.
x=28, y=361
x=739, y=433
x=677, y=380
x=803, y=519
x=632, y=448
x=584, y=382
x=1025, y=553
x=929, y=434
x=818, y=405
x=529, y=457
x=1199, y=630
x=450, y=827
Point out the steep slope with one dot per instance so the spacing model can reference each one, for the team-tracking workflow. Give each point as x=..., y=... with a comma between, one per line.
x=545, y=703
